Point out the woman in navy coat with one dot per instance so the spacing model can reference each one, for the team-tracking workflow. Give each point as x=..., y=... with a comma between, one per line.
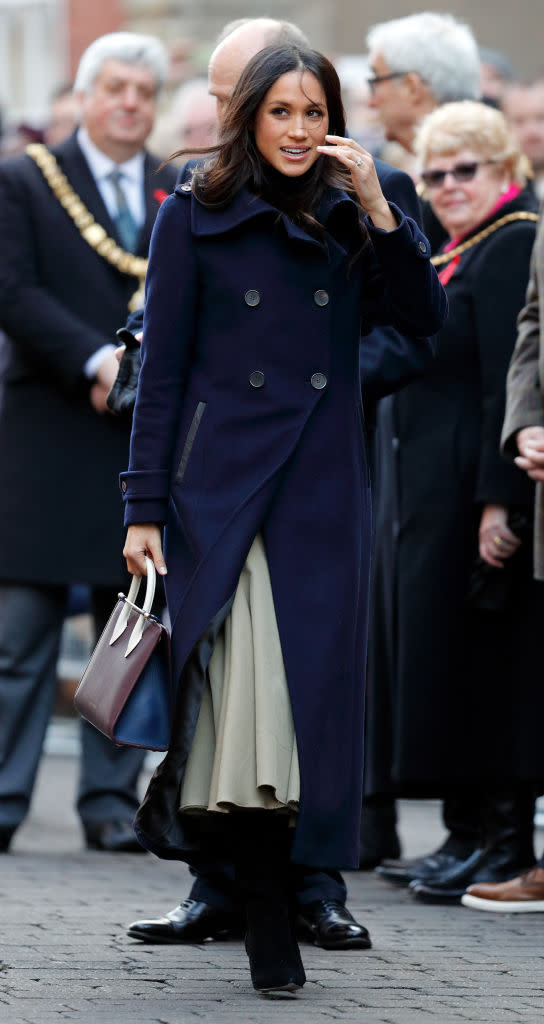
x=263, y=273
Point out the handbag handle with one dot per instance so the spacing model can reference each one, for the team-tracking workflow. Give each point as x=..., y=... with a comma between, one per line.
x=130, y=605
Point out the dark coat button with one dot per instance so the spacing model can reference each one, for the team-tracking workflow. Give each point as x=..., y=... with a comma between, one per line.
x=321, y=297
x=256, y=379
x=318, y=381
x=252, y=297
x=422, y=246
x=124, y=487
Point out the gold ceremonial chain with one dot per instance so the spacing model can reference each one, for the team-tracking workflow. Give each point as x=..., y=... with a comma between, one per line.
x=93, y=233
x=445, y=257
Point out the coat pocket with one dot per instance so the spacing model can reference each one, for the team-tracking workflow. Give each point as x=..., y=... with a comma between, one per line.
x=190, y=440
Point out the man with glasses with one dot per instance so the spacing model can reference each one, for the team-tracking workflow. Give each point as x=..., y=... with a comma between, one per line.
x=417, y=63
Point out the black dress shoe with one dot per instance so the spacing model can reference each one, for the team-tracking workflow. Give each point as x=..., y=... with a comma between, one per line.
x=111, y=837
x=403, y=872
x=482, y=866
x=432, y=894
x=192, y=921
x=6, y=835
x=329, y=924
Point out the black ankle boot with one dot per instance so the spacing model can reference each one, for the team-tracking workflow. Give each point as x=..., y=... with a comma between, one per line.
x=508, y=822
x=262, y=878
x=274, y=956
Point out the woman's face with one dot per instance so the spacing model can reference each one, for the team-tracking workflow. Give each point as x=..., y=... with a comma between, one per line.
x=461, y=205
x=291, y=122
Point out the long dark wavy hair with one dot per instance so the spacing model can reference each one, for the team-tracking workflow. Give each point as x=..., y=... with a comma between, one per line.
x=238, y=162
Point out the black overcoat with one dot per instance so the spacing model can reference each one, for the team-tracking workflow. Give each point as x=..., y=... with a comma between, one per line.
x=248, y=418
x=60, y=302
x=451, y=691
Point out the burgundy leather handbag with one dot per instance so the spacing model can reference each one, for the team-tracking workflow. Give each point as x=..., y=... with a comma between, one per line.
x=126, y=689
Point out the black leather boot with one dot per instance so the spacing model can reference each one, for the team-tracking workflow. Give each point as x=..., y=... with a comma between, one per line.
x=379, y=838
x=462, y=816
x=506, y=848
x=262, y=877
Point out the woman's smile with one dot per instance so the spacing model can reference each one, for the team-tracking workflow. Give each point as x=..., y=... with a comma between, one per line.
x=295, y=152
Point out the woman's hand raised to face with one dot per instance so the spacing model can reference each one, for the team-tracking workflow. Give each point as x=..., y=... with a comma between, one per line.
x=144, y=539
x=363, y=175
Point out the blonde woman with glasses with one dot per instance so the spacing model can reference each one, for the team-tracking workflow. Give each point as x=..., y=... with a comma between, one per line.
x=467, y=610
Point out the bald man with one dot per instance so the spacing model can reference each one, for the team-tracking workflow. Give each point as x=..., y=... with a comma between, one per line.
x=212, y=910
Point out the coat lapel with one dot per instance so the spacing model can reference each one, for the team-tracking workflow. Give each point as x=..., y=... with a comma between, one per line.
x=152, y=204
x=158, y=184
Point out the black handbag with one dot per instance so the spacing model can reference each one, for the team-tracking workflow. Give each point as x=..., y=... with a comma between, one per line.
x=121, y=398
x=126, y=689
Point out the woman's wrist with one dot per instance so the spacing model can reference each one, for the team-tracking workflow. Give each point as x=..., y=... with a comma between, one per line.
x=382, y=216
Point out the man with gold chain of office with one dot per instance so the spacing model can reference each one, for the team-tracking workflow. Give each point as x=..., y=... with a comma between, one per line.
x=75, y=224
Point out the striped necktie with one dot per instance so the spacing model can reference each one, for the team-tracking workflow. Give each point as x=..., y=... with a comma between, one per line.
x=124, y=221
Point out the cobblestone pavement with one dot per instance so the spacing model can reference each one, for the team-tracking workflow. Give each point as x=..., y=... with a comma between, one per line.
x=64, y=955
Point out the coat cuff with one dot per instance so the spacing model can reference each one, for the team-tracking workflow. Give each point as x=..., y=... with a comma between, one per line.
x=144, y=485
x=405, y=237
x=145, y=512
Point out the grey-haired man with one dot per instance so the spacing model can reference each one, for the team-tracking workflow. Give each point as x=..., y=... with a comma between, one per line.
x=63, y=293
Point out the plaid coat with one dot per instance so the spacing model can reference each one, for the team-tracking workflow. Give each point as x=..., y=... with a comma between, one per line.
x=525, y=382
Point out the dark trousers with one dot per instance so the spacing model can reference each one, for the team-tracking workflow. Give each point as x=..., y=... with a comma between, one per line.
x=217, y=888
x=31, y=619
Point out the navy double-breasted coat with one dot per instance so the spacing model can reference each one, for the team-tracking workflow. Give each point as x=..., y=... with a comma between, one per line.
x=249, y=418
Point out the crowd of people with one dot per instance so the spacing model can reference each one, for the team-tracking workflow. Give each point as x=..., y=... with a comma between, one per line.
x=290, y=271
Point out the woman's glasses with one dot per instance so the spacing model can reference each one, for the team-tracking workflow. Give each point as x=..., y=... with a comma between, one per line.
x=461, y=172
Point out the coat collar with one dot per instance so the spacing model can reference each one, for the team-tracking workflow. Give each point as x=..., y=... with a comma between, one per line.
x=246, y=206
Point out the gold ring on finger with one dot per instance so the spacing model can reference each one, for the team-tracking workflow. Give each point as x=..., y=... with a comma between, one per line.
x=497, y=540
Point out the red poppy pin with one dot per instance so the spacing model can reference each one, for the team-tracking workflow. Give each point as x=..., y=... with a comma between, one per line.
x=160, y=195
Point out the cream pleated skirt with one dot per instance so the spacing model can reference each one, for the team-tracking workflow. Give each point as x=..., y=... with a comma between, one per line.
x=244, y=752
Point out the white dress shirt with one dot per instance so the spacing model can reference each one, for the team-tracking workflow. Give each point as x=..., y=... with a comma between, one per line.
x=132, y=183
x=132, y=177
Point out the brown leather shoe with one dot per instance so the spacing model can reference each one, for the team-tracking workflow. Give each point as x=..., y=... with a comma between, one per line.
x=522, y=895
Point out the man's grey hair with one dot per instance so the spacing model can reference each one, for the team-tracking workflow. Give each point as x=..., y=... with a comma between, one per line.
x=274, y=31
x=126, y=47
x=438, y=47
